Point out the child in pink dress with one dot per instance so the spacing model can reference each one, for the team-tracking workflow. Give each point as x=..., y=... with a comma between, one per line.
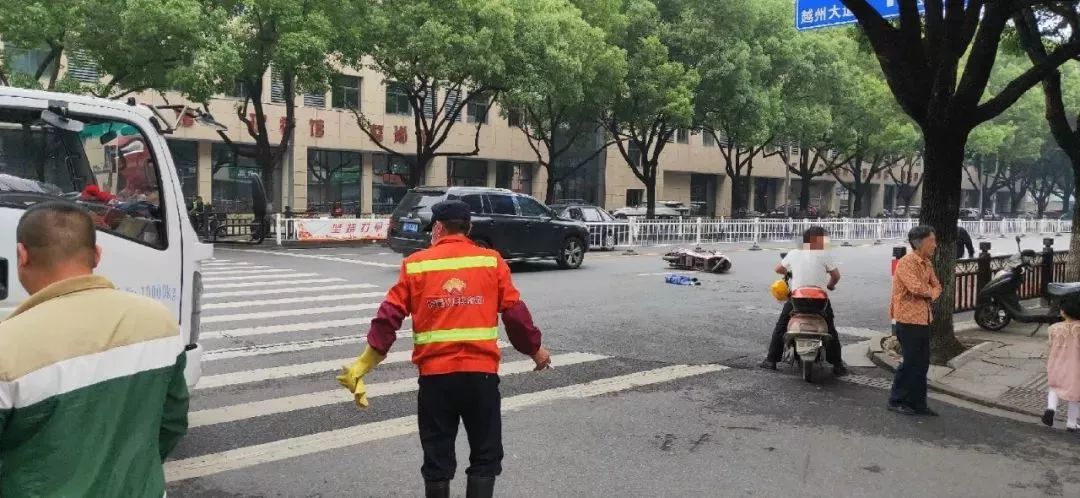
x=1063, y=366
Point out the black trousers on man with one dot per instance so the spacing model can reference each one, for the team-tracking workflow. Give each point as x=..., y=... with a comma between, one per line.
x=909, y=385
x=776, y=345
x=443, y=402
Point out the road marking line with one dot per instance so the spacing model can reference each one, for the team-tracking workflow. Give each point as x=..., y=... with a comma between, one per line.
x=288, y=327
x=287, y=404
x=315, y=256
x=241, y=285
x=257, y=277
x=225, y=264
x=251, y=270
x=215, y=260
x=293, y=300
x=289, y=347
x=292, y=290
x=237, y=317
x=283, y=449
x=297, y=370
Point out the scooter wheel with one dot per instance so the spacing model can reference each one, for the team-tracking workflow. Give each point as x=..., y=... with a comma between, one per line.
x=991, y=317
x=808, y=371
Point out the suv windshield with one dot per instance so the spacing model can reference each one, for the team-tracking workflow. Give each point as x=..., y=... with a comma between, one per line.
x=107, y=167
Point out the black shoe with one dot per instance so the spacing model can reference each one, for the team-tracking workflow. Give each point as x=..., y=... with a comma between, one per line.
x=839, y=370
x=768, y=365
x=1048, y=418
x=437, y=489
x=1074, y=430
x=926, y=412
x=901, y=409
x=480, y=487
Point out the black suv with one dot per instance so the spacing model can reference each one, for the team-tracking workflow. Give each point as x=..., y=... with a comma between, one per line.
x=516, y=225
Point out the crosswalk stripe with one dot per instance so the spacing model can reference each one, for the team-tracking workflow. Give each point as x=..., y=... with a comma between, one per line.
x=288, y=290
x=226, y=264
x=297, y=370
x=287, y=327
x=323, y=258
x=283, y=449
x=286, y=404
x=289, y=347
x=241, y=285
x=293, y=300
x=215, y=260
x=237, y=278
x=251, y=270
x=237, y=317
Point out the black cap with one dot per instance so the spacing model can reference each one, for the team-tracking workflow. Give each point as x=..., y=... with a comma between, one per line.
x=449, y=210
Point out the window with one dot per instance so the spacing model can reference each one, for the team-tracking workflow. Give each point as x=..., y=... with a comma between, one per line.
x=466, y=173
x=634, y=153
x=514, y=176
x=478, y=109
x=333, y=178
x=431, y=103
x=475, y=202
x=26, y=61
x=634, y=196
x=453, y=103
x=530, y=207
x=232, y=174
x=397, y=99
x=575, y=214
x=108, y=168
x=315, y=99
x=185, y=155
x=345, y=92
x=513, y=118
x=82, y=67
x=389, y=182
x=708, y=140
x=682, y=135
x=277, y=87
x=591, y=214
x=502, y=204
x=239, y=90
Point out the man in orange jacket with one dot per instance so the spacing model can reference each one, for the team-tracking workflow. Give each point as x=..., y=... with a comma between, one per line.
x=455, y=292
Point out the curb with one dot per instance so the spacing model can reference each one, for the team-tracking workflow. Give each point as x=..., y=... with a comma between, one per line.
x=883, y=361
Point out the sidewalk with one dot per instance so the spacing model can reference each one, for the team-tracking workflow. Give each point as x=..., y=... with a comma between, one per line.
x=1005, y=370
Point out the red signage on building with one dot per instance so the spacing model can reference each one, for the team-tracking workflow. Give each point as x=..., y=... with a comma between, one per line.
x=282, y=123
x=377, y=132
x=317, y=128
x=401, y=134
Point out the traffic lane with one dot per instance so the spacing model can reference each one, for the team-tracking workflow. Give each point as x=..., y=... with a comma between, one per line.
x=748, y=433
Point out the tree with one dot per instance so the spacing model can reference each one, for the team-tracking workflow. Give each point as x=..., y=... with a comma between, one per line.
x=906, y=179
x=1047, y=175
x=560, y=97
x=657, y=101
x=461, y=48
x=938, y=71
x=295, y=42
x=135, y=44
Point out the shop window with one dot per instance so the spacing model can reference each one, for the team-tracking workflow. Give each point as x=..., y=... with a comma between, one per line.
x=466, y=173
x=334, y=179
x=389, y=183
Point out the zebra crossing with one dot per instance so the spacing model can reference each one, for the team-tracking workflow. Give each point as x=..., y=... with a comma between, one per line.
x=275, y=338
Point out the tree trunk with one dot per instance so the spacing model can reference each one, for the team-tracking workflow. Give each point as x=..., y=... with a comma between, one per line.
x=1072, y=267
x=804, y=197
x=418, y=171
x=738, y=193
x=549, y=190
x=650, y=192
x=941, y=209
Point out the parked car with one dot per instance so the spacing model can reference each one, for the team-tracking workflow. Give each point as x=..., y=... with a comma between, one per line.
x=782, y=211
x=663, y=210
x=516, y=225
x=969, y=214
x=605, y=236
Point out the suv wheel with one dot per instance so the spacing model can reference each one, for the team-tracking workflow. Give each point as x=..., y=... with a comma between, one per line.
x=571, y=253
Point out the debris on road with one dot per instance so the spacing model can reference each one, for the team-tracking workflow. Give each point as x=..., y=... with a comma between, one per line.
x=698, y=259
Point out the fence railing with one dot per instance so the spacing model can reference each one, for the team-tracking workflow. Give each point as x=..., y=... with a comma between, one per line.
x=638, y=233
x=974, y=273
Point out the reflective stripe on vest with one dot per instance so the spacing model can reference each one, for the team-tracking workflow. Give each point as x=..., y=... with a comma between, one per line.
x=446, y=264
x=456, y=335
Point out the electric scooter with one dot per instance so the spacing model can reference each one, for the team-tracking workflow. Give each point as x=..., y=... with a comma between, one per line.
x=998, y=302
x=807, y=331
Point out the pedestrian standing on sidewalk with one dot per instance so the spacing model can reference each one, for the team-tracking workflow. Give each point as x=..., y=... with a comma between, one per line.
x=1063, y=366
x=914, y=288
x=92, y=391
x=455, y=292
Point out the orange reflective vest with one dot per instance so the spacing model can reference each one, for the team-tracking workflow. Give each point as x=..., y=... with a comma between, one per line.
x=454, y=292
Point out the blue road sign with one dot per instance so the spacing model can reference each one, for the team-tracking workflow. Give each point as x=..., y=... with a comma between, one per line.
x=813, y=14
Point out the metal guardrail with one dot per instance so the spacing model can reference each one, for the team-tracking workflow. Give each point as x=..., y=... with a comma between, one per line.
x=641, y=233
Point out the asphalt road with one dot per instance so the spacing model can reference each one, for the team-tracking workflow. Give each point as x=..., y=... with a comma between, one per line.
x=654, y=392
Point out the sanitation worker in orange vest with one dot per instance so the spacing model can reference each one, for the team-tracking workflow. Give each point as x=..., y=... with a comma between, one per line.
x=455, y=292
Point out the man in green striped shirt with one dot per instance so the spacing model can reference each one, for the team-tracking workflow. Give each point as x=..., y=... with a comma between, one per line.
x=92, y=391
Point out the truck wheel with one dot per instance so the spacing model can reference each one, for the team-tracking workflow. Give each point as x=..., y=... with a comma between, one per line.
x=571, y=253
x=991, y=317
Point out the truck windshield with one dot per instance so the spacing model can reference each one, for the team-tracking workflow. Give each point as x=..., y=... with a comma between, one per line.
x=107, y=167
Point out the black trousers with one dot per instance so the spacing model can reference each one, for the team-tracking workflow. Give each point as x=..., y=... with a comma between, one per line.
x=909, y=385
x=776, y=344
x=446, y=400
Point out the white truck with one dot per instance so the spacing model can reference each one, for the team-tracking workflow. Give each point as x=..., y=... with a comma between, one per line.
x=111, y=158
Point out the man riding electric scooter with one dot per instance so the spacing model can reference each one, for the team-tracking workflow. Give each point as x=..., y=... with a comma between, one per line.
x=811, y=266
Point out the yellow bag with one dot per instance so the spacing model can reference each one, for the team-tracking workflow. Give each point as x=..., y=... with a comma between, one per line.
x=780, y=290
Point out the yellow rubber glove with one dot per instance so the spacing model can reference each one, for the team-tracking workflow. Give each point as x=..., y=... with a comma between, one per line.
x=352, y=376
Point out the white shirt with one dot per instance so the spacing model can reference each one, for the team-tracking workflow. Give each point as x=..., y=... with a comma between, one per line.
x=809, y=267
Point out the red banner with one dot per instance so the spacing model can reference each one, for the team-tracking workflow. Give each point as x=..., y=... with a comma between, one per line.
x=341, y=229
